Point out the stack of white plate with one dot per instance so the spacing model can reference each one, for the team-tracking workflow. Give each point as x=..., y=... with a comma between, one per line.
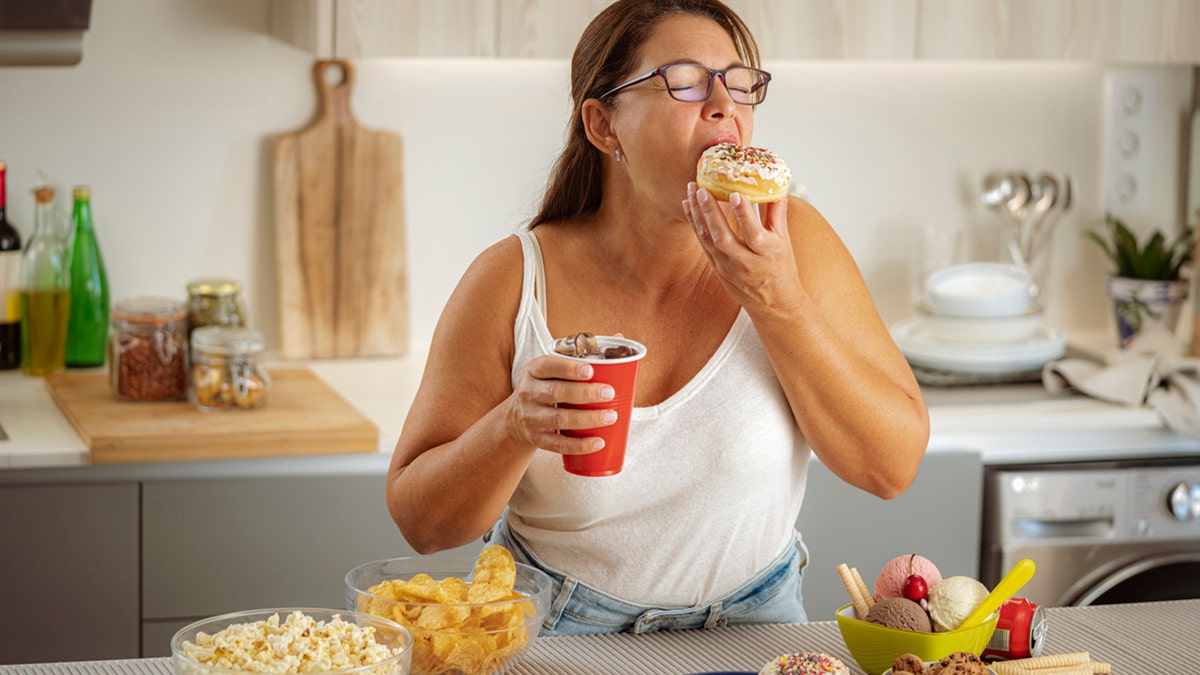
x=979, y=318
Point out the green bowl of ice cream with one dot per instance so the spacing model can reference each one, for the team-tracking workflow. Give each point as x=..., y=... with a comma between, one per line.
x=875, y=647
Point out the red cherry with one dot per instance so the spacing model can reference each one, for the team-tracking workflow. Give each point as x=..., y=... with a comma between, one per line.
x=915, y=588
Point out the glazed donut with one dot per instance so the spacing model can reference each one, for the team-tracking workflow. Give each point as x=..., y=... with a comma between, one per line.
x=757, y=174
x=805, y=663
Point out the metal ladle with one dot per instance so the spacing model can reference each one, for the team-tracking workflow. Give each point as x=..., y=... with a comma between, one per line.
x=1007, y=194
x=1061, y=205
x=1045, y=186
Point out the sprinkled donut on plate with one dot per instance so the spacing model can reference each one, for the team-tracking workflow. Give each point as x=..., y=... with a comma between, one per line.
x=757, y=174
x=805, y=663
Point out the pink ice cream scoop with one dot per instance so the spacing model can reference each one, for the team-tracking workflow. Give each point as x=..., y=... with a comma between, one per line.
x=890, y=582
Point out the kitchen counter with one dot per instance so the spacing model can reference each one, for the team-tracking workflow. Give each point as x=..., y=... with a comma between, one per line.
x=1138, y=638
x=1006, y=424
x=40, y=437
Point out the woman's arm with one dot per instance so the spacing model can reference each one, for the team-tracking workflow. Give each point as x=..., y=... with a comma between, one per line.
x=469, y=435
x=850, y=390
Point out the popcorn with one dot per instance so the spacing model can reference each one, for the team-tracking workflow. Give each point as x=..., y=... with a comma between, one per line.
x=299, y=645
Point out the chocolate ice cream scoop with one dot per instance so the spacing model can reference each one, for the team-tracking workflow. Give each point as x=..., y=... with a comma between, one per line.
x=900, y=613
x=579, y=344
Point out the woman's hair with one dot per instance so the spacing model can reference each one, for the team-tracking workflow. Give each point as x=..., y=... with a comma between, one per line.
x=607, y=51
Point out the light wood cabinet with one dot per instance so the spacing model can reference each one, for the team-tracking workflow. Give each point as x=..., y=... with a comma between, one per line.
x=788, y=30
x=1107, y=31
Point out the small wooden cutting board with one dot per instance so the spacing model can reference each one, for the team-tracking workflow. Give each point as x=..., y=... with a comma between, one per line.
x=303, y=416
x=339, y=229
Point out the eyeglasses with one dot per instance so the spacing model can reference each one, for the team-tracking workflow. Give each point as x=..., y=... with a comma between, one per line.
x=692, y=82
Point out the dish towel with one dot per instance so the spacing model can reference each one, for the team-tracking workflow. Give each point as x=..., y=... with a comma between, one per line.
x=1168, y=383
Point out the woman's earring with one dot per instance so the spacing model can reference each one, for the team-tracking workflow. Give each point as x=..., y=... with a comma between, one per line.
x=618, y=154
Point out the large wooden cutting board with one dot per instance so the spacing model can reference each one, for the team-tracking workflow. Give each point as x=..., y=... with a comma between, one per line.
x=339, y=225
x=303, y=416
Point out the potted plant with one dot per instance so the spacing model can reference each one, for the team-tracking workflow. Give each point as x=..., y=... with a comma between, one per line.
x=1148, y=287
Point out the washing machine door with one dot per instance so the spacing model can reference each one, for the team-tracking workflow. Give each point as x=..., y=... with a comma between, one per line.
x=1164, y=576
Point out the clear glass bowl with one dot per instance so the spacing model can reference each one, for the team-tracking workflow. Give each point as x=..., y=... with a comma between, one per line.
x=387, y=633
x=451, y=638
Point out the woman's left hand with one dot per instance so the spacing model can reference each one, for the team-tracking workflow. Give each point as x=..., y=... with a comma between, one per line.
x=755, y=262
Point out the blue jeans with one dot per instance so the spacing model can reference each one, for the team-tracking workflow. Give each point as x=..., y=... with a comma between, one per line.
x=772, y=596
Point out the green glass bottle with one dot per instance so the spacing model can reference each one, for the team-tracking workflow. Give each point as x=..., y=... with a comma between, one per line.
x=87, y=323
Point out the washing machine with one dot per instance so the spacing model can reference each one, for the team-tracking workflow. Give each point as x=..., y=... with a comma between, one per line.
x=1099, y=532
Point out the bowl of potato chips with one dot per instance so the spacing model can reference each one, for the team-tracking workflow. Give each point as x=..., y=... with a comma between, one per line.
x=467, y=615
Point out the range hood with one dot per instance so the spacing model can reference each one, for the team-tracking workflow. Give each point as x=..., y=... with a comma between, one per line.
x=43, y=32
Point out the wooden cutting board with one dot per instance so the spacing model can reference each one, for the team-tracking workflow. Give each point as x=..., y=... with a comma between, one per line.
x=303, y=416
x=339, y=228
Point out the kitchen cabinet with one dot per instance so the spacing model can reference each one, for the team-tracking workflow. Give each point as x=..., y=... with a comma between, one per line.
x=1113, y=31
x=940, y=516
x=217, y=545
x=68, y=572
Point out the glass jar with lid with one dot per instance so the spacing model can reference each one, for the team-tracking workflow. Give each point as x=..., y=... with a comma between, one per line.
x=148, y=349
x=227, y=370
x=215, y=302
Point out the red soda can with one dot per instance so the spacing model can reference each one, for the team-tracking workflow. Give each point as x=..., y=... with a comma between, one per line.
x=1020, y=631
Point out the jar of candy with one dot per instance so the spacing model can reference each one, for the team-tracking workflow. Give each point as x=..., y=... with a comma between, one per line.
x=147, y=357
x=227, y=371
x=215, y=302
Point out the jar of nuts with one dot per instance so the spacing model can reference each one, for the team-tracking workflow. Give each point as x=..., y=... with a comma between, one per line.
x=226, y=369
x=215, y=302
x=147, y=357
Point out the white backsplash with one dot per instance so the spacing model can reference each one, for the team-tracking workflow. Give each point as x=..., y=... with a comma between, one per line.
x=171, y=114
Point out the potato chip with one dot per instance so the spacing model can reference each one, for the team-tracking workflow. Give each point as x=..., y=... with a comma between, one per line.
x=452, y=632
x=495, y=575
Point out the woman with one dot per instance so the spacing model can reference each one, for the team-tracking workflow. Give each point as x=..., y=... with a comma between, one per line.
x=761, y=347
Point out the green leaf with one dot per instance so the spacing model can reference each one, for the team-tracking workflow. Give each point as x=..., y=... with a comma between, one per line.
x=1156, y=260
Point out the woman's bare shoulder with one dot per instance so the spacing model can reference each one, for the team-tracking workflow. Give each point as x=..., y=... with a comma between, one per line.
x=495, y=272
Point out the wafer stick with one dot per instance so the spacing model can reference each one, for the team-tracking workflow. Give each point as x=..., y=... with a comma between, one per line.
x=1080, y=669
x=862, y=588
x=1075, y=663
x=1091, y=668
x=856, y=596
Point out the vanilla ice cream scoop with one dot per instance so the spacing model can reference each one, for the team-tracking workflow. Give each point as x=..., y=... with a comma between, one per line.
x=953, y=600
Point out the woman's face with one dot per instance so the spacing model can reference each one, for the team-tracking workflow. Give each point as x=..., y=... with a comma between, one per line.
x=662, y=137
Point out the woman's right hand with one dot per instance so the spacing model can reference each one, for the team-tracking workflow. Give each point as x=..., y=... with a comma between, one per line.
x=536, y=415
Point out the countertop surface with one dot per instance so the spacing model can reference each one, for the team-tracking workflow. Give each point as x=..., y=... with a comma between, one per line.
x=1006, y=424
x=1139, y=639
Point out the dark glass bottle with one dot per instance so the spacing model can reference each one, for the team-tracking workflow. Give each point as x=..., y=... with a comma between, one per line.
x=10, y=284
x=87, y=323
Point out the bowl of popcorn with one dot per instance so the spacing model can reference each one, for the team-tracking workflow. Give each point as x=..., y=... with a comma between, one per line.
x=467, y=615
x=293, y=640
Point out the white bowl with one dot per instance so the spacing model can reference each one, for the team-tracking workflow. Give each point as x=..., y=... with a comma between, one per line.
x=980, y=289
x=980, y=329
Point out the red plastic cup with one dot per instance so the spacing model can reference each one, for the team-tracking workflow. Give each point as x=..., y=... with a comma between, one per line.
x=621, y=374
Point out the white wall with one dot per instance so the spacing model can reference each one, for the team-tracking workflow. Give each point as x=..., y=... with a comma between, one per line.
x=171, y=114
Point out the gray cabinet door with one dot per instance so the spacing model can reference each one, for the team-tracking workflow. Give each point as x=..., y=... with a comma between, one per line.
x=940, y=517
x=220, y=545
x=68, y=572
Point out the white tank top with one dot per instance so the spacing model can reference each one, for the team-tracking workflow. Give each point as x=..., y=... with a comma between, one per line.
x=710, y=490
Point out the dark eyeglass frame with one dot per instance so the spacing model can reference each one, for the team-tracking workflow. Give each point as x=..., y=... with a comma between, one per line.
x=661, y=71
